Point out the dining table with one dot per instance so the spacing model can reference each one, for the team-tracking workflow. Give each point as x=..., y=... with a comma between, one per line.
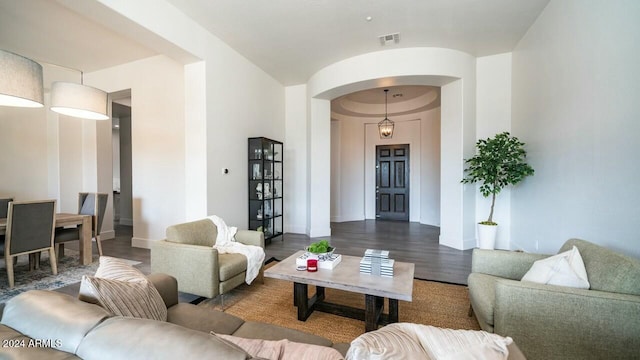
x=84, y=222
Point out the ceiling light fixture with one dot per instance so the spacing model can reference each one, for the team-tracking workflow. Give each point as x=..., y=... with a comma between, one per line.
x=385, y=127
x=20, y=81
x=79, y=100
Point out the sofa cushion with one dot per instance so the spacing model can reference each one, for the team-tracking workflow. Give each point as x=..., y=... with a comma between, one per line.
x=607, y=270
x=203, y=319
x=49, y=315
x=231, y=265
x=17, y=346
x=123, y=290
x=564, y=269
x=133, y=339
x=282, y=349
x=482, y=293
x=201, y=232
x=257, y=330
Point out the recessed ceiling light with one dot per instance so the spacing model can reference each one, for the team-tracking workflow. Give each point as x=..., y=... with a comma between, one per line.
x=368, y=18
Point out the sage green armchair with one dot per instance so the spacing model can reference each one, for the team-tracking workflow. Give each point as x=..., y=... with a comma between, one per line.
x=187, y=254
x=556, y=322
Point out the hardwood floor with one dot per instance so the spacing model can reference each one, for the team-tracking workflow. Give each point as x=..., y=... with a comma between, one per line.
x=408, y=242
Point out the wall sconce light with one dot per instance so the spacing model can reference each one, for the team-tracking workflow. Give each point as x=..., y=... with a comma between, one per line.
x=20, y=81
x=385, y=127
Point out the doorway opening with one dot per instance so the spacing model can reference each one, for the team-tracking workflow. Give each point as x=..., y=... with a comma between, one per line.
x=122, y=173
x=392, y=182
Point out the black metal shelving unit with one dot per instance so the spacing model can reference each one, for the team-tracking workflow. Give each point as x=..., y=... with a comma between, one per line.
x=266, y=187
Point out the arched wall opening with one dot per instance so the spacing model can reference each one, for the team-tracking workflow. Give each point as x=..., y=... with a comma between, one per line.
x=454, y=72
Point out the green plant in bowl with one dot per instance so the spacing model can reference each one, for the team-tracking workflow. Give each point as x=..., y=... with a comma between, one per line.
x=321, y=248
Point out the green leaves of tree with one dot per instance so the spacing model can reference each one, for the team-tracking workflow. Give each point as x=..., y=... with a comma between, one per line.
x=499, y=162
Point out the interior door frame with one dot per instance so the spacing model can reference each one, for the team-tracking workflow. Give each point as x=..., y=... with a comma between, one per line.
x=407, y=181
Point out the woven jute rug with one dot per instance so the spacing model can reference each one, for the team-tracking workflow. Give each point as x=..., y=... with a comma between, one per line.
x=437, y=304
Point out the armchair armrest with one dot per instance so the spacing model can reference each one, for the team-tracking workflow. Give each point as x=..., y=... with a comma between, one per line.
x=250, y=237
x=195, y=267
x=554, y=322
x=505, y=264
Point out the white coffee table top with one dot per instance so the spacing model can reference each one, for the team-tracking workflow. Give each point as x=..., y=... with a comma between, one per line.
x=346, y=276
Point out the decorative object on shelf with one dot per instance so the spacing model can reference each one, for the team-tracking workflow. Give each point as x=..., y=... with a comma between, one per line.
x=267, y=191
x=385, y=127
x=256, y=171
x=259, y=191
x=500, y=161
x=259, y=214
x=21, y=83
x=312, y=265
x=267, y=209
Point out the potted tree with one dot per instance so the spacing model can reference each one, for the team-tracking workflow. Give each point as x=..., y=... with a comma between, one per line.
x=499, y=162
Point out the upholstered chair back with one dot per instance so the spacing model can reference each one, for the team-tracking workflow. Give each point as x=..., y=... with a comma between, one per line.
x=201, y=232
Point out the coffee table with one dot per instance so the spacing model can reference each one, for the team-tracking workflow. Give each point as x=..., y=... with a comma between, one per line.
x=346, y=276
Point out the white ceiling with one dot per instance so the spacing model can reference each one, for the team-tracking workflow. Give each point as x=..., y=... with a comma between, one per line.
x=402, y=100
x=289, y=39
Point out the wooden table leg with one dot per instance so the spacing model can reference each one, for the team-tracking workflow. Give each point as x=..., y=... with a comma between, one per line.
x=393, y=311
x=86, y=256
x=372, y=311
x=301, y=300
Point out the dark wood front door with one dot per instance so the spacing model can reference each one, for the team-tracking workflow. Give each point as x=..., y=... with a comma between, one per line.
x=392, y=182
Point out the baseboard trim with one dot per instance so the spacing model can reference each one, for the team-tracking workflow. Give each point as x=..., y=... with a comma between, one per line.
x=106, y=235
x=141, y=243
x=295, y=229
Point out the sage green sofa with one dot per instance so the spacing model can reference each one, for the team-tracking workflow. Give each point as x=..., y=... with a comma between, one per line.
x=555, y=322
x=187, y=254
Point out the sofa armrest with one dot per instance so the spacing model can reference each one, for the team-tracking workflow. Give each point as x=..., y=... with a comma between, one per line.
x=554, y=322
x=195, y=267
x=167, y=286
x=250, y=237
x=502, y=263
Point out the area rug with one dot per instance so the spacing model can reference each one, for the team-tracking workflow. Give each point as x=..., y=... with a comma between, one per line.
x=437, y=304
x=69, y=272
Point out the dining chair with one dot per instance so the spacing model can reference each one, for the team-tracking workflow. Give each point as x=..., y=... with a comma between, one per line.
x=4, y=207
x=30, y=229
x=87, y=205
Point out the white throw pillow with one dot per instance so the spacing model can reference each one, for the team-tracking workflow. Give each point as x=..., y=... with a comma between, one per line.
x=564, y=269
x=123, y=290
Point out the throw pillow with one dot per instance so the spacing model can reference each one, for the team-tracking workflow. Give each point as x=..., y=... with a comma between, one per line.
x=564, y=269
x=281, y=349
x=415, y=341
x=123, y=290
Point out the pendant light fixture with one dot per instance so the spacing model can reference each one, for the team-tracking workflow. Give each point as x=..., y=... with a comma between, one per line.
x=385, y=127
x=79, y=100
x=20, y=81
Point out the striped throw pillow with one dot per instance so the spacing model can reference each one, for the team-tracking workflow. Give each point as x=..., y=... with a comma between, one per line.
x=123, y=290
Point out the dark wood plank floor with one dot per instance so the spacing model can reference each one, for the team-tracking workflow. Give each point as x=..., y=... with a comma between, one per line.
x=408, y=242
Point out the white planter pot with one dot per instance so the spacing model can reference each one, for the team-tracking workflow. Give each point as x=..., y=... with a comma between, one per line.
x=487, y=236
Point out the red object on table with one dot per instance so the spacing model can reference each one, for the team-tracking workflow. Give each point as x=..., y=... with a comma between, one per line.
x=312, y=265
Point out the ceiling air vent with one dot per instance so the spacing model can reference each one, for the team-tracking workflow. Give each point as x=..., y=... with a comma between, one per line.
x=389, y=39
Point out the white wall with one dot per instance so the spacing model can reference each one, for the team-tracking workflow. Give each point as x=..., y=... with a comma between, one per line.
x=493, y=116
x=230, y=82
x=576, y=82
x=158, y=140
x=295, y=153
